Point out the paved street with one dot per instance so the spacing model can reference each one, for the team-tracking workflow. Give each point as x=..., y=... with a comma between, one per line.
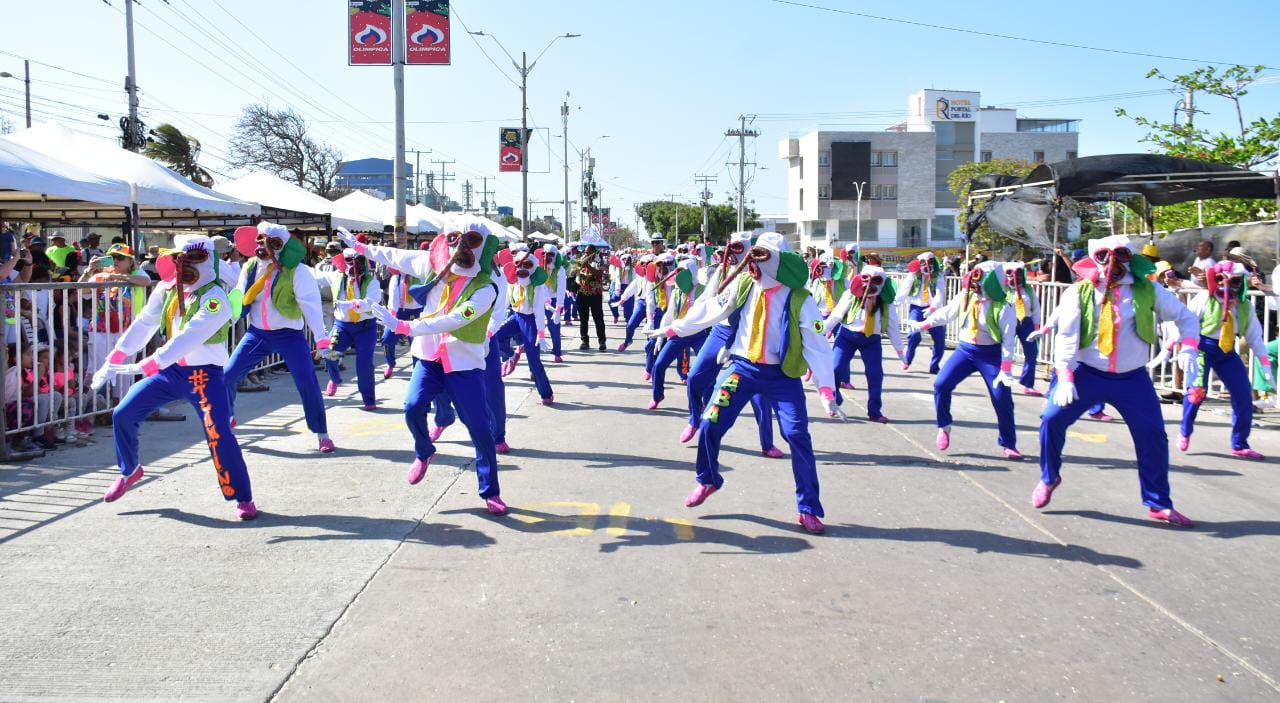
x=936, y=579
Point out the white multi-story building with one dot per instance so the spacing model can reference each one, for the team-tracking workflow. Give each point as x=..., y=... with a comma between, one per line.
x=902, y=172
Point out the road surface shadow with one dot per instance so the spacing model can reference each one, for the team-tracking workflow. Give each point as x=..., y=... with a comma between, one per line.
x=978, y=541
x=600, y=460
x=1222, y=530
x=641, y=532
x=336, y=527
x=1107, y=463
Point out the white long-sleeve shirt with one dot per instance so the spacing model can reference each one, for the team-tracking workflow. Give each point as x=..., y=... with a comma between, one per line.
x=638, y=288
x=344, y=306
x=817, y=352
x=432, y=340
x=1030, y=303
x=187, y=345
x=530, y=301
x=556, y=298
x=501, y=306
x=937, y=293
x=825, y=294
x=1131, y=352
x=398, y=297
x=1252, y=334
x=263, y=314
x=1006, y=320
x=836, y=319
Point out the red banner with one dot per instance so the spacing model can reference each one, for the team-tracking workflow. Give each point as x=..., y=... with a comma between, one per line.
x=510, y=153
x=369, y=33
x=427, y=32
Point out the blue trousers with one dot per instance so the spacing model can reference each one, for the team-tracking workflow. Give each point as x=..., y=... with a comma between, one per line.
x=849, y=343
x=1030, y=352
x=1095, y=409
x=570, y=306
x=524, y=328
x=445, y=414
x=362, y=335
x=675, y=349
x=1229, y=368
x=495, y=393
x=292, y=347
x=628, y=308
x=651, y=346
x=466, y=390
x=389, y=337
x=638, y=314
x=738, y=383
x=206, y=389
x=1132, y=394
x=702, y=382
x=939, y=335
x=553, y=330
x=984, y=359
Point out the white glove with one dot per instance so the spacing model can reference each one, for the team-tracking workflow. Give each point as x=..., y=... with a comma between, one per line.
x=102, y=377
x=346, y=237
x=833, y=410
x=1160, y=358
x=544, y=344
x=1037, y=334
x=1188, y=360
x=1003, y=379
x=656, y=332
x=385, y=316
x=914, y=326
x=1269, y=374
x=1064, y=392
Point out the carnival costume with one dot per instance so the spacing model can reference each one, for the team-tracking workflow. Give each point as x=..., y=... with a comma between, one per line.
x=925, y=295
x=866, y=313
x=355, y=291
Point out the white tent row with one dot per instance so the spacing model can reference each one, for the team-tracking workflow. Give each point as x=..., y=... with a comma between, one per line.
x=276, y=192
x=36, y=186
x=158, y=191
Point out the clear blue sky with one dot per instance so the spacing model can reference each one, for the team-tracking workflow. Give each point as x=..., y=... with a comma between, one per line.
x=664, y=79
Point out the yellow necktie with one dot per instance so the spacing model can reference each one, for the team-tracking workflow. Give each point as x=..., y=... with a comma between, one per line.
x=868, y=323
x=1020, y=307
x=1107, y=326
x=973, y=319
x=446, y=295
x=518, y=297
x=924, y=283
x=352, y=315
x=1227, y=339
x=256, y=288
x=759, y=316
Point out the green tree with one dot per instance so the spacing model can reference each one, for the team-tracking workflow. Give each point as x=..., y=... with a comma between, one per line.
x=181, y=152
x=984, y=239
x=659, y=216
x=1251, y=144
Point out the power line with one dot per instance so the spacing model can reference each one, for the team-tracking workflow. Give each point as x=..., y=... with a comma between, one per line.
x=1011, y=37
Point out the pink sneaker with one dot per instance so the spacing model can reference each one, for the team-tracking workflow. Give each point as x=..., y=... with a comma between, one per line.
x=688, y=433
x=1101, y=417
x=622, y=347
x=648, y=375
x=233, y=423
x=653, y=404
x=699, y=495
x=846, y=386
x=943, y=440
x=495, y=506
x=549, y=400
x=502, y=448
x=515, y=359
x=1043, y=493
x=811, y=523
x=1183, y=443
x=507, y=367
x=326, y=446
x=880, y=419
x=1032, y=392
x=808, y=375
x=390, y=370
x=418, y=470
x=123, y=484
x=771, y=453
x=436, y=432
x=906, y=367
x=1247, y=453
x=330, y=389
x=246, y=510
x=1011, y=453
x=1171, y=516
x=370, y=407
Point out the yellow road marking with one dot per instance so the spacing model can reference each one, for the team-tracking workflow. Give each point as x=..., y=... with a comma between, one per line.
x=1095, y=438
x=684, y=528
x=618, y=517
x=585, y=518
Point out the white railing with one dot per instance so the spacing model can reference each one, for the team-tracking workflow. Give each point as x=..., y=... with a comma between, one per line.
x=1162, y=375
x=57, y=335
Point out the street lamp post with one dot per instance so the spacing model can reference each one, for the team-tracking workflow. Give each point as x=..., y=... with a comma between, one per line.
x=524, y=68
x=858, y=227
x=26, y=67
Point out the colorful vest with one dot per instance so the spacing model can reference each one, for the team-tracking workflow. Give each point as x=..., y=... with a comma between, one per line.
x=475, y=331
x=171, y=304
x=340, y=284
x=856, y=306
x=792, y=351
x=1211, y=318
x=1144, y=299
x=992, y=317
x=282, y=294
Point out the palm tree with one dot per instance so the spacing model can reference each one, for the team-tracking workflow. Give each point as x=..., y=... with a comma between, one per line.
x=168, y=145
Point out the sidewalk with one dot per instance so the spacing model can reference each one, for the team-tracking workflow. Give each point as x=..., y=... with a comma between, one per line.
x=936, y=579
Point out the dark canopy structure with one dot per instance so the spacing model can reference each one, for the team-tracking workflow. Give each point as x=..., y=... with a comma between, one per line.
x=1161, y=180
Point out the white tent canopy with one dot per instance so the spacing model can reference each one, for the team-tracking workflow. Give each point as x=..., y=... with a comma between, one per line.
x=35, y=186
x=385, y=211
x=159, y=192
x=276, y=192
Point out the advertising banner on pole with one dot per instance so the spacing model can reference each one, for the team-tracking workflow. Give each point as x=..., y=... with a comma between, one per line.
x=369, y=33
x=427, y=31
x=510, y=155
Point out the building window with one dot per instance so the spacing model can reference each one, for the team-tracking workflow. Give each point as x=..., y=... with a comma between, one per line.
x=945, y=155
x=1071, y=154
x=986, y=156
x=876, y=192
x=802, y=170
x=890, y=191
x=824, y=192
x=802, y=198
x=886, y=159
x=824, y=158
x=1038, y=157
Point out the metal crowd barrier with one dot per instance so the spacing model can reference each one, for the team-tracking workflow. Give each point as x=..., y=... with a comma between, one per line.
x=1163, y=375
x=56, y=336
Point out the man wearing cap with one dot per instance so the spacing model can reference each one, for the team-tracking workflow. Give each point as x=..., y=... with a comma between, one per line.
x=280, y=298
x=925, y=294
x=590, y=271
x=62, y=255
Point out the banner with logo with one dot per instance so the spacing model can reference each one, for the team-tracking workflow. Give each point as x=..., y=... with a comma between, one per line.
x=510, y=154
x=369, y=33
x=427, y=32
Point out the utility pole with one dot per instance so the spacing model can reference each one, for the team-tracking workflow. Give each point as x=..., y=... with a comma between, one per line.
x=417, y=172
x=466, y=196
x=397, y=67
x=672, y=197
x=485, y=193
x=131, y=84
x=442, y=180
x=564, y=119
x=706, y=203
x=742, y=133
x=1189, y=104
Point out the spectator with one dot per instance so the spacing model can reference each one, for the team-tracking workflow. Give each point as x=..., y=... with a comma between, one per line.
x=1200, y=262
x=114, y=306
x=89, y=249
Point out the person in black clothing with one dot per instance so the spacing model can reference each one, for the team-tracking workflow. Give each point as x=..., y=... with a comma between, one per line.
x=591, y=272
